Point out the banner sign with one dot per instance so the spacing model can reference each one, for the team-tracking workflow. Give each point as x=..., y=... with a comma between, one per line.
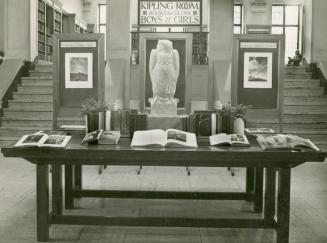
x=170, y=13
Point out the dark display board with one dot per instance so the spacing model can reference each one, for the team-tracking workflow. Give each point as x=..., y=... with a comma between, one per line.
x=258, y=61
x=72, y=97
x=78, y=71
x=258, y=97
x=180, y=46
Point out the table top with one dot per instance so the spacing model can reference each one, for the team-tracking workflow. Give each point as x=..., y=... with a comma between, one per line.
x=204, y=155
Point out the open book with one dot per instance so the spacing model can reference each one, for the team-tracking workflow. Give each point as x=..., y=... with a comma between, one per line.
x=287, y=142
x=161, y=138
x=102, y=137
x=43, y=139
x=229, y=139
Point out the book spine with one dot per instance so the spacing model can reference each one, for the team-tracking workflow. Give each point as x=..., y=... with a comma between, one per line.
x=132, y=121
x=218, y=123
x=101, y=120
x=213, y=123
x=107, y=120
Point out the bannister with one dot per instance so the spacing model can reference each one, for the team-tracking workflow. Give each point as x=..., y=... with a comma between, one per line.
x=323, y=75
x=11, y=71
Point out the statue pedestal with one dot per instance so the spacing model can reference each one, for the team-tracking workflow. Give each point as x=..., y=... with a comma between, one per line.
x=163, y=108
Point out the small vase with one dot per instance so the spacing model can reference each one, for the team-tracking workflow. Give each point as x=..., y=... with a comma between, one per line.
x=238, y=126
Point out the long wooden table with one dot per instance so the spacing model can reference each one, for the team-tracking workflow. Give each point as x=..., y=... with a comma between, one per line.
x=257, y=162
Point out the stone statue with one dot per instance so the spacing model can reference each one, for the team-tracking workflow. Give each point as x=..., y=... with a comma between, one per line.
x=164, y=71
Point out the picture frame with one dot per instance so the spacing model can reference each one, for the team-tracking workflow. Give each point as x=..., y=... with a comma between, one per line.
x=258, y=70
x=78, y=70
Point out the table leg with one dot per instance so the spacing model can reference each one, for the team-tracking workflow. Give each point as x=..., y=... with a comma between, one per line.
x=258, y=190
x=249, y=186
x=270, y=185
x=69, y=187
x=42, y=202
x=57, y=189
x=78, y=176
x=283, y=207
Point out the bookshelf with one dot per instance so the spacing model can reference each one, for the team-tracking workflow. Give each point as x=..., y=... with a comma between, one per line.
x=49, y=23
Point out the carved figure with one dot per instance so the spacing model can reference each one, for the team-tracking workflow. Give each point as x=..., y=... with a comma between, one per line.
x=164, y=71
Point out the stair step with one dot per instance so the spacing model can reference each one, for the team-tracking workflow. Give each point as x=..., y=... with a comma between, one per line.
x=48, y=74
x=20, y=131
x=297, y=75
x=300, y=80
x=7, y=142
x=18, y=122
x=31, y=106
x=302, y=119
x=303, y=93
x=27, y=114
x=32, y=97
x=305, y=101
x=35, y=89
x=301, y=84
x=306, y=128
x=37, y=82
x=44, y=67
x=294, y=109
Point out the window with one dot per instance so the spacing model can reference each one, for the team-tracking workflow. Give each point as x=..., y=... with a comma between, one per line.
x=238, y=18
x=102, y=24
x=286, y=21
x=102, y=18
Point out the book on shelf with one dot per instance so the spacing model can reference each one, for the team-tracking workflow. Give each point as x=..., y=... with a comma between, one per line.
x=229, y=139
x=44, y=139
x=161, y=138
x=205, y=123
x=285, y=142
x=101, y=137
x=259, y=130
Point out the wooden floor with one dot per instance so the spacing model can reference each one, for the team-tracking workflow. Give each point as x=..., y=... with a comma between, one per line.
x=18, y=212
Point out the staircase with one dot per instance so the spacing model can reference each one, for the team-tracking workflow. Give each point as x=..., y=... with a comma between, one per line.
x=31, y=108
x=305, y=106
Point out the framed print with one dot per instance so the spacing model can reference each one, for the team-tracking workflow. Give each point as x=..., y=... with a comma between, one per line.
x=257, y=70
x=78, y=70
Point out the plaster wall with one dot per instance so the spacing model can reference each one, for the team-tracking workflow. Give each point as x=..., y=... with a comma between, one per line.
x=319, y=31
x=2, y=17
x=17, y=29
x=74, y=6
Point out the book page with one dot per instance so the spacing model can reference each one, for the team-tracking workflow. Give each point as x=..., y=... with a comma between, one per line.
x=298, y=142
x=149, y=138
x=273, y=142
x=31, y=140
x=220, y=139
x=238, y=139
x=56, y=141
x=180, y=138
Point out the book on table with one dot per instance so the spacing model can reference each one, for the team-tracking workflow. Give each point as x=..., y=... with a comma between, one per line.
x=229, y=139
x=101, y=137
x=259, y=130
x=44, y=139
x=285, y=142
x=161, y=138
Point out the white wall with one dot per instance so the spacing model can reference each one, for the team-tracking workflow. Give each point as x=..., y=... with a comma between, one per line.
x=319, y=44
x=91, y=12
x=73, y=6
x=2, y=25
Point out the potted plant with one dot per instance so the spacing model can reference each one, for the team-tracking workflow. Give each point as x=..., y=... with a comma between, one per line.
x=233, y=118
x=238, y=113
x=93, y=112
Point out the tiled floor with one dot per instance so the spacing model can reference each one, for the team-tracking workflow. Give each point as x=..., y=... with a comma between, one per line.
x=18, y=212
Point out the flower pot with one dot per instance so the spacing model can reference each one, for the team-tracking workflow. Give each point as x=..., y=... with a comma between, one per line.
x=238, y=125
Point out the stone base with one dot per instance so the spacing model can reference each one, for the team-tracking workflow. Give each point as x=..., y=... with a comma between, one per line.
x=163, y=108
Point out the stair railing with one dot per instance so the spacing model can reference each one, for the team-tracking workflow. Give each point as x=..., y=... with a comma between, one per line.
x=11, y=71
x=323, y=75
